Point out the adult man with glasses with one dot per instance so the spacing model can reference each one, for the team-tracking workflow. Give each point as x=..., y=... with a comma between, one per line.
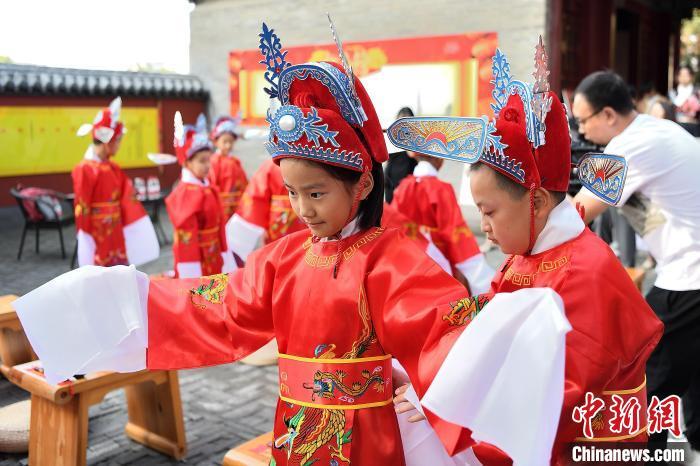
x=612, y=227
x=661, y=199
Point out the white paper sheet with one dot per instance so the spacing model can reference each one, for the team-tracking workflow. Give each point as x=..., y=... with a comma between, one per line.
x=508, y=365
x=88, y=319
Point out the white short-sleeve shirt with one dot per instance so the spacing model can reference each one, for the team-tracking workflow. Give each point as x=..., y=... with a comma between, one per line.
x=661, y=196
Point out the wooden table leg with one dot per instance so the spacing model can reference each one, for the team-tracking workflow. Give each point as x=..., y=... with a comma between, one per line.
x=155, y=416
x=58, y=433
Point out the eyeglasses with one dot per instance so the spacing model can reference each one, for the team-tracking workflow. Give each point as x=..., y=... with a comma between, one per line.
x=582, y=121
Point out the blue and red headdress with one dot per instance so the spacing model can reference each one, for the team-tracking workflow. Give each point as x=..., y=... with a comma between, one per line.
x=188, y=139
x=319, y=111
x=528, y=141
x=226, y=124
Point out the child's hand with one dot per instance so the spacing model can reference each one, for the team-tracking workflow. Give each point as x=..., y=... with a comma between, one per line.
x=402, y=405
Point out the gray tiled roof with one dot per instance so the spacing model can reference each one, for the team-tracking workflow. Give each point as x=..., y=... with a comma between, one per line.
x=43, y=80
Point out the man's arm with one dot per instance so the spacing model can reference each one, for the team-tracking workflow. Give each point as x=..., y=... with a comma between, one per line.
x=592, y=206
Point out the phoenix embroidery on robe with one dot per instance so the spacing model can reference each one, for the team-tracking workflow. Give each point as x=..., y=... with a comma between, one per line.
x=311, y=428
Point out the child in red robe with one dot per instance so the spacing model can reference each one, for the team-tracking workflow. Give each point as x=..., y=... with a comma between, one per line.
x=431, y=203
x=226, y=172
x=194, y=208
x=519, y=185
x=113, y=227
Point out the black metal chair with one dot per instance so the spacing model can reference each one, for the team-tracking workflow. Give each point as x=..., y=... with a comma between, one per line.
x=66, y=218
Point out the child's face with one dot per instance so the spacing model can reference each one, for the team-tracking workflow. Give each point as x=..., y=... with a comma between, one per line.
x=199, y=164
x=320, y=200
x=112, y=147
x=224, y=143
x=504, y=219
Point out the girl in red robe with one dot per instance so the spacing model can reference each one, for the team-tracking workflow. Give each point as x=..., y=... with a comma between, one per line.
x=226, y=172
x=194, y=208
x=113, y=227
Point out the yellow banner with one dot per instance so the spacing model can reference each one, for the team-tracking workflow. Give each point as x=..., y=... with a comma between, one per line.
x=38, y=140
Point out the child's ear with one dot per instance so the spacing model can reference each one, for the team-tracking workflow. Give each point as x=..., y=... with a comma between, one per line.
x=542, y=200
x=367, y=184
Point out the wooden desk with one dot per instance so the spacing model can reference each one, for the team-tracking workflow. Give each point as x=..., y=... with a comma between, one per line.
x=58, y=429
x=256, y=452
x=14, y=346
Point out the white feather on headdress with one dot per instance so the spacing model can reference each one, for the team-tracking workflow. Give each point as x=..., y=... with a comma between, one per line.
x=201, y=125
x=179, y=128
x=84, y=129
x=115, y=108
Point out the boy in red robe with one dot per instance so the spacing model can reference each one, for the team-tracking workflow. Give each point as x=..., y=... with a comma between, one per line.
x=226, y=172
x=519, y=185
x=113, y=227
x=431, y=203
x=194, y=208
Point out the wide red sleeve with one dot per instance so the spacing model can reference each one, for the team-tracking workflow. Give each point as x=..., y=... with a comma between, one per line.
x=211, y=320
x=182, y=205
x=83, y=186
x=418, y=311
x=452, y=232
x=131, y=208
x=257, y=197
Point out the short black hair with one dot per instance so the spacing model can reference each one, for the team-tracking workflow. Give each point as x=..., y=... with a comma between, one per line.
x=515, y=190
x=645, y=88
x=606, y=89
x=405, y=112
x=371, y=208
x=96, y=141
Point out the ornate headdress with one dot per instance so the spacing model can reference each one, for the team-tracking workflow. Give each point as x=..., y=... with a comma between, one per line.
x=188, y=139
x=319, y=111
x=528, y=141
x=106, y=125
x=226, y=124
